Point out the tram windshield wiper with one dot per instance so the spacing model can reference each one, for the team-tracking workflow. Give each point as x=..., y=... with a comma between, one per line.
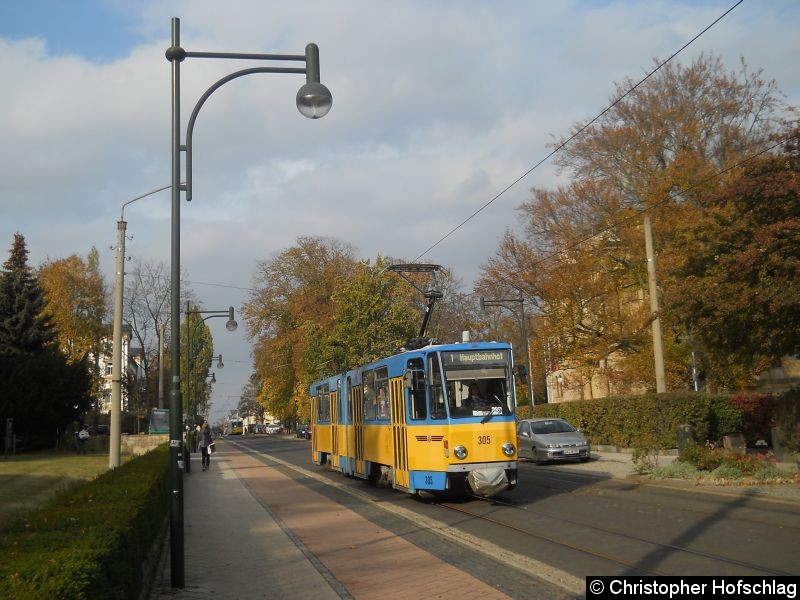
x=493, y=410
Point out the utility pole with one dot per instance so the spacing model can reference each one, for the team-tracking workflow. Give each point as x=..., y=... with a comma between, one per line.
x=658, y=349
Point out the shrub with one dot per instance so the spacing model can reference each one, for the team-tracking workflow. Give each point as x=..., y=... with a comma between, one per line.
x=726, y=472
x=758, y=415
x=676, y=470
x=90, y=540
x=772, y=474
x=703, y=458
x=747, y=464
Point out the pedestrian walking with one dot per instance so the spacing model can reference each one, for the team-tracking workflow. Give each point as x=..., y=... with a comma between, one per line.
x=83, y=437
x=204, y=441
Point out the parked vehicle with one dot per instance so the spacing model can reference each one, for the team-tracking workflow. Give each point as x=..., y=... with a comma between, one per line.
x=304, y=431
x=545, y=440
x=258, y=428
x=273, y=428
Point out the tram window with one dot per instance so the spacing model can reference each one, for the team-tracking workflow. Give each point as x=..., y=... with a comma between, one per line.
x=438, y=410
x=368, y=399
x=382, y=392
x=324, y=403
x=416, y=395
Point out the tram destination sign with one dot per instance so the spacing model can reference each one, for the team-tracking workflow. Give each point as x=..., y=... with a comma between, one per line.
x=474, y=358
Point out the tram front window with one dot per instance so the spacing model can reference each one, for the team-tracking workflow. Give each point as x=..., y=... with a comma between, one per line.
x=477, y=397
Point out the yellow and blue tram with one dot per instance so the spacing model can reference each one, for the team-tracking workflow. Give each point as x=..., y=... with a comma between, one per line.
x=409, y=420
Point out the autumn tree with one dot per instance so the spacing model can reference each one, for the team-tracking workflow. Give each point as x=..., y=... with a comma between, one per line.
x=292, y=297
x=739, y=285
x=664, y=148
x=76, y=302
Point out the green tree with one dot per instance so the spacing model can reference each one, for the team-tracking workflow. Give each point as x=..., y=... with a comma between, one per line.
x=373, y=318
x=195, y=363
x=25, y=327
x=39, y=388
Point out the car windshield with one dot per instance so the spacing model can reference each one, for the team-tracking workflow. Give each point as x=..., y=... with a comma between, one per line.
x=555, y=426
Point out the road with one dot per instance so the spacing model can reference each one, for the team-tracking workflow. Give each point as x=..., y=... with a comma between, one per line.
x=560, y=526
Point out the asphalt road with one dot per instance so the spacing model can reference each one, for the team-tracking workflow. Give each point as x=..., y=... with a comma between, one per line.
x=560, y=525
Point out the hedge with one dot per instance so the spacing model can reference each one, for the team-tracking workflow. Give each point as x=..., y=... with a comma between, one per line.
x=652, y=420
x=91, y=539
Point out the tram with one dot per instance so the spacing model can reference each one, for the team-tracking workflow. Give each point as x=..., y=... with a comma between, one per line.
x=410, y=421
x=234, y=427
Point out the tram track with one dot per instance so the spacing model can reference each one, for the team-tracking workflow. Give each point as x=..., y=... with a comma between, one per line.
x=615, y=560
x=663, y=494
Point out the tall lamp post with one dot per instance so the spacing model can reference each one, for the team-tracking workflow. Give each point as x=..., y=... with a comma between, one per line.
x=523, y=331
x=115, y=431
x=230, y=325
x=314, y=101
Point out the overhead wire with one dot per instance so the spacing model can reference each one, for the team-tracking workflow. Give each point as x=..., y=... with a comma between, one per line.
x=563, y=144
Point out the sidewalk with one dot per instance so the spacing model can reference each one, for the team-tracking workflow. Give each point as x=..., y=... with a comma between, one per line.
x=233, y=546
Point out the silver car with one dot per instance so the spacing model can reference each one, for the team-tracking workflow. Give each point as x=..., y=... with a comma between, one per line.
x=551, y=439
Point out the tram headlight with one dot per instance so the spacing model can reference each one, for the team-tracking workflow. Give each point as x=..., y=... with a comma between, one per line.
x=508, y=449
x=460, y=452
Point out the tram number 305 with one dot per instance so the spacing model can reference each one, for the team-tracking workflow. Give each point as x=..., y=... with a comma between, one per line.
x=484, y=440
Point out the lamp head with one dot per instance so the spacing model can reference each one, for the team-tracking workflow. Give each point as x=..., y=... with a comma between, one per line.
x=219, y=363
x=314, y=100
x=231, y=325
x=213, y=378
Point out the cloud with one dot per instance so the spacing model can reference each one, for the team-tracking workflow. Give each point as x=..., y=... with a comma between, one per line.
x=437, y=108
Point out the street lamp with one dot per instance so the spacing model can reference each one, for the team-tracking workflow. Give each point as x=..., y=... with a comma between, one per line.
x=115, y=431
x=230, y=325
x=314, y=101
x=523, y=331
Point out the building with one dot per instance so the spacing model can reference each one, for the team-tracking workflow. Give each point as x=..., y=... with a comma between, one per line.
x=131, y=366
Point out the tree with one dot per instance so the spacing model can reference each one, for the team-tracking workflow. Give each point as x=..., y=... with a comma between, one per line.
x=373, y=318
x=25, y=328
x=76, y=302
x=147, y=311
x=293, y=298
x=39, y=389
x=195, y=362
x=739, y=290
x=665, y=148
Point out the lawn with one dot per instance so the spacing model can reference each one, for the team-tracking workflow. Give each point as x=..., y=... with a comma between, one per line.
x=27, y=480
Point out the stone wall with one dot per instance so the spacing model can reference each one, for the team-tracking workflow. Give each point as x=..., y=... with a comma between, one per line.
x=142, y=443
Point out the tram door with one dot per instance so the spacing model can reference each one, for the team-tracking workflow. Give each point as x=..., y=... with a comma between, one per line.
x=397, y=394
x=358, y=426
x=335, y=410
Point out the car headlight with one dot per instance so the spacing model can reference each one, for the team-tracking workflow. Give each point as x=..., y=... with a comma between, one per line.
x=460, y=452
x=509, y=449
x=553, y=446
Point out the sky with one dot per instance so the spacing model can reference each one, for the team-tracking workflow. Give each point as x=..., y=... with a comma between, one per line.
x=437, y=108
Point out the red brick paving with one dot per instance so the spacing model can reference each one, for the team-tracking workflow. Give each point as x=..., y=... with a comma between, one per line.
x=370, y=561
